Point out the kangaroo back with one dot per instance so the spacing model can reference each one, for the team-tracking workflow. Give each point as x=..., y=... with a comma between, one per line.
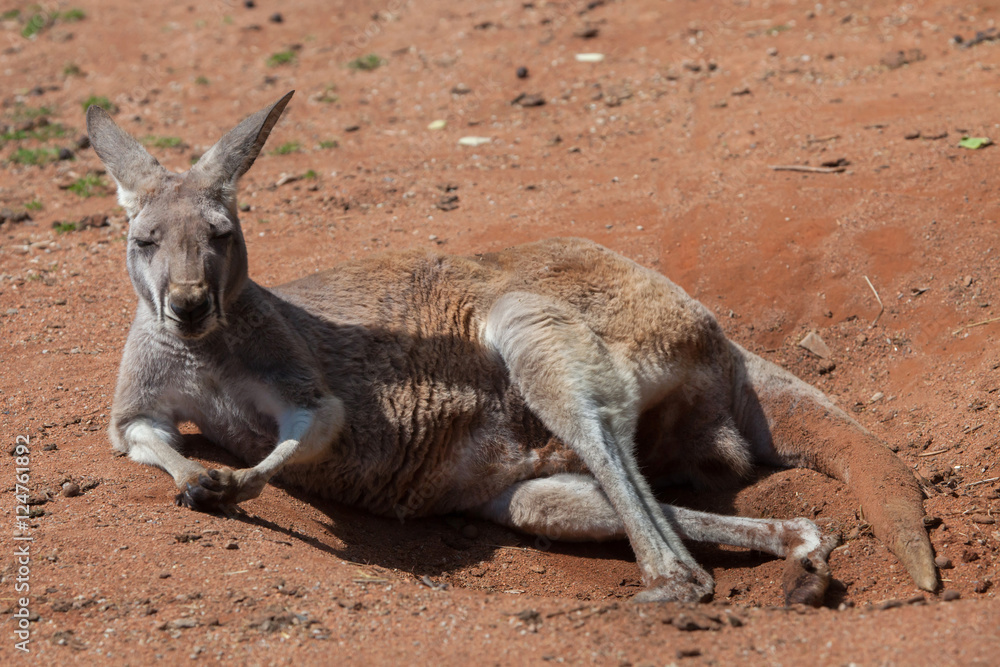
x=791, y=424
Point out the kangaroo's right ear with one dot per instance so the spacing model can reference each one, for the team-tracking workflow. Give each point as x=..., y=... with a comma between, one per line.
x=133, y=168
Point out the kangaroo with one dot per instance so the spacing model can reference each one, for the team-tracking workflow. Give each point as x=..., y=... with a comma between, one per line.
x=546, y=387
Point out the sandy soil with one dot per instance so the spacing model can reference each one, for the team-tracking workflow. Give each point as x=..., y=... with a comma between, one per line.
x=662, y=151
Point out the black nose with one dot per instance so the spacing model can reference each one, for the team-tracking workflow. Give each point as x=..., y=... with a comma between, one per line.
x=190, y=312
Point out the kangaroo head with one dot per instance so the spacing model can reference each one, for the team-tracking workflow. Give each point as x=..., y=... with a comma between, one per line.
x=186, y=254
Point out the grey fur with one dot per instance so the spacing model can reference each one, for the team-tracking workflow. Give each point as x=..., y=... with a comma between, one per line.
x=540, y=387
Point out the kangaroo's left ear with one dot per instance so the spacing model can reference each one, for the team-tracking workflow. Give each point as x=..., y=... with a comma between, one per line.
x=222, y=165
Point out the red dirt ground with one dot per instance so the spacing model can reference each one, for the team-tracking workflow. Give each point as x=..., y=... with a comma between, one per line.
x=662, y=151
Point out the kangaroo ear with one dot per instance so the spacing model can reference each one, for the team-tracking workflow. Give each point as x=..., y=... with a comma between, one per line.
x=223, y=164
x=135, y=170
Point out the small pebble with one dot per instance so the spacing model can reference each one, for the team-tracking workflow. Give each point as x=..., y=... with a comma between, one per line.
x=950, y=595
x=522, y=72
x=276, y=18
x=70, y=489
x=473, y=141
x=943, y=563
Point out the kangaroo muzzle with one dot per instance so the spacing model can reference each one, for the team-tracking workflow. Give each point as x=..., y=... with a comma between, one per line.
x=190, y=306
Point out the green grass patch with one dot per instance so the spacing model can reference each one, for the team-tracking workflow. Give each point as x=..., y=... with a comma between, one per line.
x=34, y=156
x=88, y=186
x=72, y=69
x=44, y=133
x=289, y=148
x=64, y=227
x=281, y=58
x=310, y=175
x=23, y=112
x=101, y=101
x=367, y=63
x=10, y=14
x=162, y=142
x=201, y=81
x=35, y=24
x=33, y=205
x=73, y=15
x=329, y=143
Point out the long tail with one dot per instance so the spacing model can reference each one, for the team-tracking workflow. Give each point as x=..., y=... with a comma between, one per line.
x=791, y=424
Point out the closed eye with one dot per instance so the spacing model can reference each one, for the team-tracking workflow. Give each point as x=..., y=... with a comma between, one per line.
x=222, y=236
x=144, y=243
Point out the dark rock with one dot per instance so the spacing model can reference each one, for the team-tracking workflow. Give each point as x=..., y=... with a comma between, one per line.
x=7, y=215
x=96, y=220
x=969, y=556
x=528, y=100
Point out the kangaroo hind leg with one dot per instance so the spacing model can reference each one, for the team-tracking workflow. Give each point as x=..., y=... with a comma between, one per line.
x=573, y=508
x=570, y=381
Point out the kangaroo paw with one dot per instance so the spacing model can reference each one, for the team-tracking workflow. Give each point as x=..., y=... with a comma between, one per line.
x=807, y=577
x=693, y=586
x=211, y=491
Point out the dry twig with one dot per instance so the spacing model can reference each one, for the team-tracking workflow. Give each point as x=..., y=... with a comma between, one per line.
x=880, y=304
x=807, y=169
x=974, y=324
x=983, y=481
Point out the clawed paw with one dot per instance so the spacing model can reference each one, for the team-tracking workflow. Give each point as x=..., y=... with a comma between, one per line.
x=210, y=491
x=806, y=577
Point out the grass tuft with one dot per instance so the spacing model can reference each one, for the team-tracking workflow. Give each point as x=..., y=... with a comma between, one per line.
x=281, y=58
x=34, y=156
x=88, y=186
x=366, y=63
x=289, y=148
